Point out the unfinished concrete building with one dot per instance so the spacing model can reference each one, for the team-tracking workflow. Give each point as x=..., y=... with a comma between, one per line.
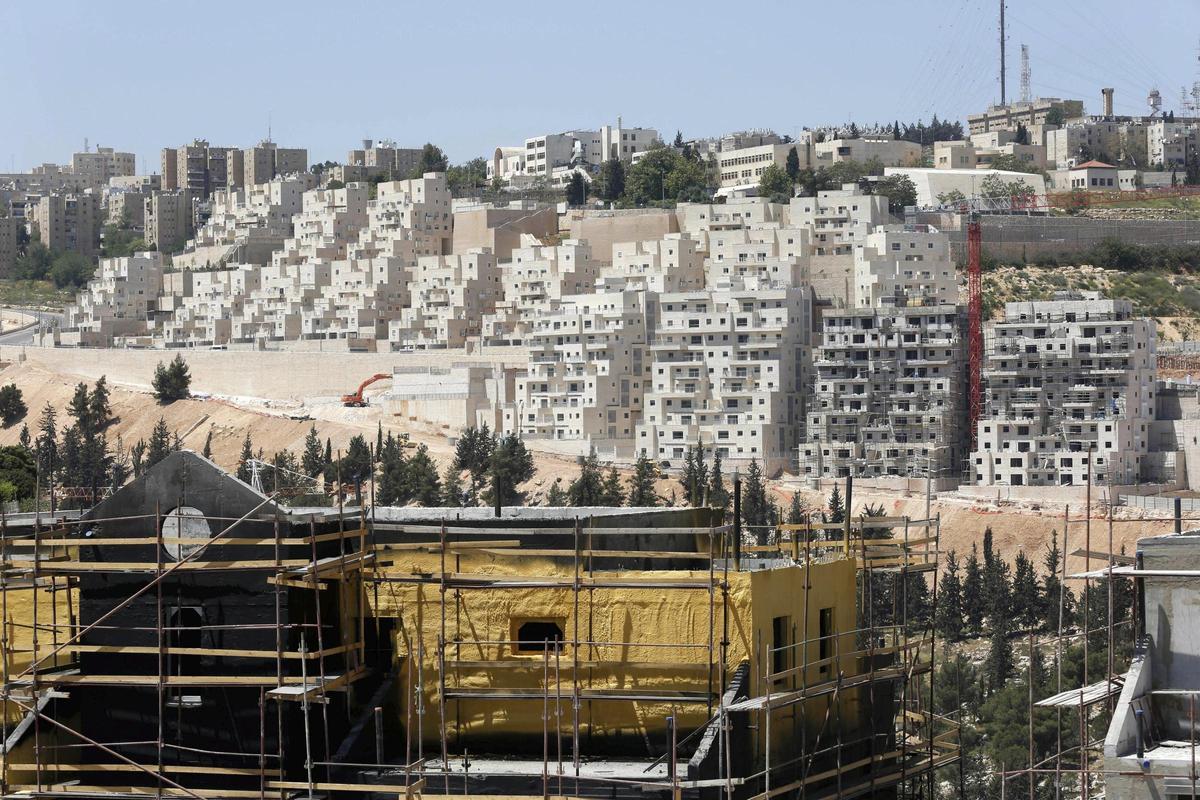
x=1068, y=387
x=728, y=369
x=588, y=366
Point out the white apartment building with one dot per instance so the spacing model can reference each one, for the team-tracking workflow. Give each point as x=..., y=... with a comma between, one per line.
x=892, y=152
x=773, y=255
x=839, y=218
x=545, y=153
x=744, y=166
x=247, y=225
x=449, y=296
x=888, y=397
x=116, y=302
x=728, y=369
x=1168, y=142
x=385, y=157
x=329, y=221
x=1029, y=114
x=904, y=263
x=97, y=167
x=588, y=365
x=1061, y=378
x=670, y=264
x=535, y=281
x=700, y=220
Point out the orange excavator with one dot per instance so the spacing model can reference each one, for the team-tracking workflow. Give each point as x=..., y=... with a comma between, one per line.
x=357, y=400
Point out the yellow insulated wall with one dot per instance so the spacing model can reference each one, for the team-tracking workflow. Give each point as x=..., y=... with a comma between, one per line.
x=647, y=640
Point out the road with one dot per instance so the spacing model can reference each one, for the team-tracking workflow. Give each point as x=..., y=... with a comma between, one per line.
x=25, y=335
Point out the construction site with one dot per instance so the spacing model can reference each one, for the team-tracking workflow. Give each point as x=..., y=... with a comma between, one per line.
x=190, y=636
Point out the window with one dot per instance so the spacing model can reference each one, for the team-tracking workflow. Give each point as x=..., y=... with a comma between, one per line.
x=781, y=638
x=533, y=635
x=825, y=632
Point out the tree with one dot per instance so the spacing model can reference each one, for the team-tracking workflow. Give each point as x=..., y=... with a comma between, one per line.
x=718, y=496
x=25, y=439
x=798, y=510
x=756, y=511
x=973, y=608
x=641, y=486
x=79, y=407
x=610, y=185
x=137, y=455
x=452, y=489
x=792, y=165
x=244, y=471
x=424, y=486
x=46, y=445
x=1026, y=594
x=695, y=475
x=160, y=445
x=678, y=143
x=379, y=442
x=432, y=159
x=393, y=487
x=18, y=470
x=612, y=494
x=950, y=620
x=999, y=664
x=576, y=190
x=951, y=198
x=663, y=175
x=356, y=465
x=588, y=488
x=837, y=509
x=70, y=270
x=1015, y=163
x=172, y=381
x=512, y=465
x=775, y=184
x=1055, y=116
x=1022, y=134
x=473, y=453
x=34, y=264
x=207, y=451
x=99, y=405
x=120, y=469
x=466, y=178
x=12, y=404
x=993, y=187
x=312, y=459
x=900, y=191
x=1052, y=586
x=557, y=496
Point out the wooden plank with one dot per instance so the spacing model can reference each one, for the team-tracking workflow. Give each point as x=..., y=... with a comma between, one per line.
x=167, y=768
x=434, y=547
x=169, y=680
x=519, y=552
x=1103, y=557
x=150, y=566
x=204, y=651
x=138, y=791
x=536, y=664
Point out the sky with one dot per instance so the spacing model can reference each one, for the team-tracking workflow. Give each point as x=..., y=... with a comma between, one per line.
x=470, y=75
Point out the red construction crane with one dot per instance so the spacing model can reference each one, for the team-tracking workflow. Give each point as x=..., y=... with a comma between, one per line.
x=357, y=400
x=974, y=325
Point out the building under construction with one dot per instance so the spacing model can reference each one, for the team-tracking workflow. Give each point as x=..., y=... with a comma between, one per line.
x=192, y=637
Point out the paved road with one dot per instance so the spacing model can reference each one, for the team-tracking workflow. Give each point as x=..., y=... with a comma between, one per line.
x=25, y=335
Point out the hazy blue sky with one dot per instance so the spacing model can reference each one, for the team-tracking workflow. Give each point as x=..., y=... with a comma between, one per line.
x=473, y=75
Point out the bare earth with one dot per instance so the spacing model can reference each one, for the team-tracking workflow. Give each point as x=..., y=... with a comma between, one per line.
x=963, y=520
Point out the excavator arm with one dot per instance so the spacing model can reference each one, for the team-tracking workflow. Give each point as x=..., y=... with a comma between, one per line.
x=357, y=400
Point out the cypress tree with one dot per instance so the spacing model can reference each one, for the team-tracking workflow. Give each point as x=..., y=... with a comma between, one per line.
x=557, y=496
x=588, y=488
x=950, y=602
x=756, y=511
x=312, y=459
x=718, y=497
x=612, y=493
x=641, y=488
x=247, y=455
x=973, y=592
x=207, y=452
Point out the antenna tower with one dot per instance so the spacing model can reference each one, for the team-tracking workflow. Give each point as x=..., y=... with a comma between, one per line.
x=1003, y=77
x=1026, y=92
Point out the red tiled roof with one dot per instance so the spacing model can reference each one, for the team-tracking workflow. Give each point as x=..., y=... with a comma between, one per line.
x=1093, y=164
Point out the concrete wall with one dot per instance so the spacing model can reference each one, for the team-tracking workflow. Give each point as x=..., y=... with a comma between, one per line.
x=1028, y=237
x=290, y=376
x=500, y=229
x=602, y=229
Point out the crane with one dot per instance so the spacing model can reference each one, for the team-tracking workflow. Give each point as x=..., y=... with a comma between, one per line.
x=357, y=400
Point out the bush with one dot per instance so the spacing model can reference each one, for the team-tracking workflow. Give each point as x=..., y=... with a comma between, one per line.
x=12, y=405
x=172, y=381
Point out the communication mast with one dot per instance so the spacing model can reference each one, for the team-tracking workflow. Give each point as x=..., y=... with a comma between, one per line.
x=1026, y=91
x=1154, y=101
x=1003, y=77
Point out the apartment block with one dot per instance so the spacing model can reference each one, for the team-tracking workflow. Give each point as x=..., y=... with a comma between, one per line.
x=887, y=396
x=169, y=220
x=891, y=152
x=117, y=302
x=744, y=166
x=9, y=231
x=126, y=208
x=838, y=218
x=545, y=153
x=1168, y=143
x=728, y=370
x=588, y=366
x=201, y=168
x=535, y=281
x=98, y=166
x=670, y=264
x=266, y=161
x=772, y=255
x=450, y=294
x=899, y=264
x=1028, y=114
x=1068, y=387
x=69, y=222
x=385, y=158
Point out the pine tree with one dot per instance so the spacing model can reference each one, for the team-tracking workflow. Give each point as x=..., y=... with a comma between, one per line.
x=312, y=460
x=172, y=381
x=612, y=494
x=244, y=472
x=160, y=444
x=511, y=465
x=798, y=510
x=950, y=602
x=379, y=443
x=46, y=447
x=452, y=488
x=24, y=438
x=1052, y=585
x=756, y=511
x=792, y=165
x=394, y=488
x=999, y=664
x=718, y=497
x=120, y=465
x=973, y=609
x=137, y=456
x=641, y=487
x=207, y=451
x=356, y=465
x=1026, y=593
x=424, y=486
x=557, y=496
x=70, y=471
x=837, y=508
x=695, y=475
x=79, y=407
x=99, y=408
x=989, y=555
x=588, y=488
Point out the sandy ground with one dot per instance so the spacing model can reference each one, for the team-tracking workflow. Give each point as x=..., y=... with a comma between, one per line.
x=963, y=520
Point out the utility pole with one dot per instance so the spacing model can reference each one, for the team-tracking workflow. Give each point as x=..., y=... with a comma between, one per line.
x=1003, y=98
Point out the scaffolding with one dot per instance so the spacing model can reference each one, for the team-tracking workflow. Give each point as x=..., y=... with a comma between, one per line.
x=889, y=667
